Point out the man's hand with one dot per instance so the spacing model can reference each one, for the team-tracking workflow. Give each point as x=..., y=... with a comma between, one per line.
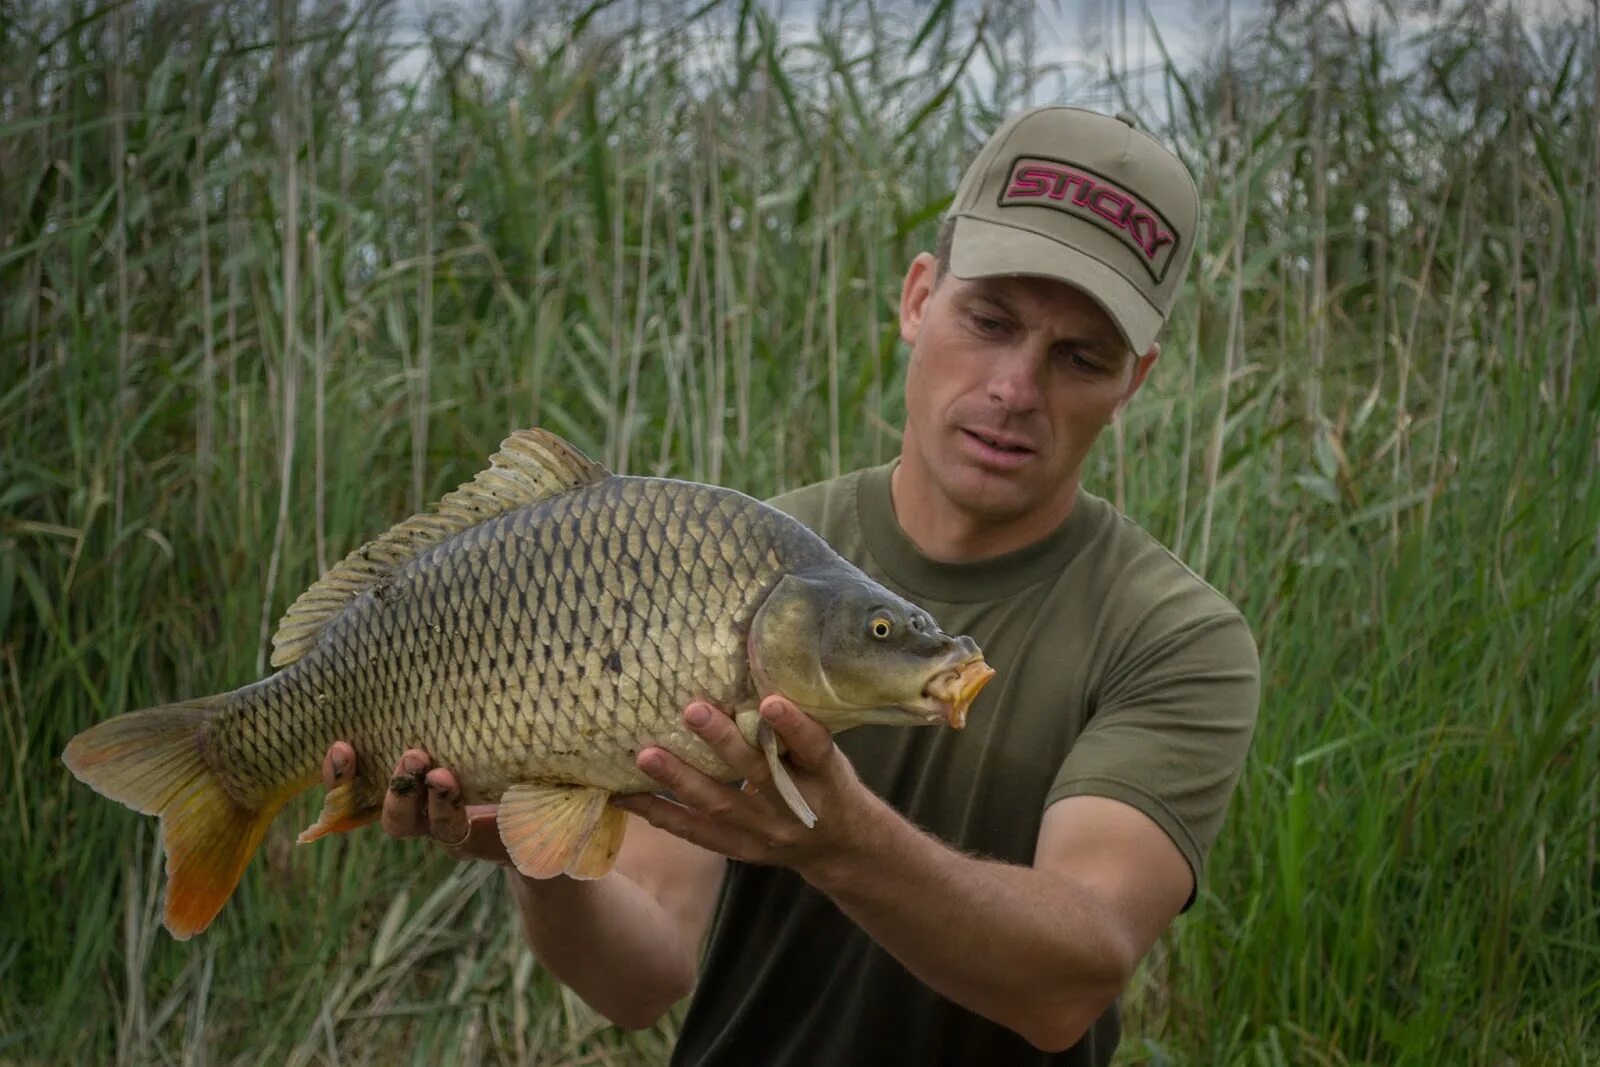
x=754, y=825
x=425, y=801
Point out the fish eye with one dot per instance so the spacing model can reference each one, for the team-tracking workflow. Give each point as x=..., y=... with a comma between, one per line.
x=881, y=627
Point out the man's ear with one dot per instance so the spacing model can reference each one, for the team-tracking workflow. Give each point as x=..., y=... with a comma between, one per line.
x=914, y=293
x=1141, y=370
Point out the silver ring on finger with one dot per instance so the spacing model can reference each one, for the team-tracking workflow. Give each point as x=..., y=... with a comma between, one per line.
x=455, y=844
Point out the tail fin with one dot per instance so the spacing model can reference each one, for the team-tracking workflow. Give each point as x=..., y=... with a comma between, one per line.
x=152, y=761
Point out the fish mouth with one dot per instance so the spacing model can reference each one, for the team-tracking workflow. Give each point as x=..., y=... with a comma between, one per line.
x=952, y=691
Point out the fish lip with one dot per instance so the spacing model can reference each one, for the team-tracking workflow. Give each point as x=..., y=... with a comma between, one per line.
x=950, y=692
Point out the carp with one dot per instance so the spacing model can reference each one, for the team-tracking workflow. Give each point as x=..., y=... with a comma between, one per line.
x=535, y=631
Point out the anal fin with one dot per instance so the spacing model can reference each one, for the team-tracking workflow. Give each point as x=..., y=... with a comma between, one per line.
x=343, y=810
x=560, y=829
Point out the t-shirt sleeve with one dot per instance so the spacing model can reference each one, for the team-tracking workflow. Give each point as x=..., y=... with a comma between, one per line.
x=1170, y=731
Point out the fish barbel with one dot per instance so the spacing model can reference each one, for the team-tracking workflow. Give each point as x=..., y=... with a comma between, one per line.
x=542, y=625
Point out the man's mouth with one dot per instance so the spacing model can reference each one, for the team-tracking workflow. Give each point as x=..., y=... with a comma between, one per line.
x=1001, y=443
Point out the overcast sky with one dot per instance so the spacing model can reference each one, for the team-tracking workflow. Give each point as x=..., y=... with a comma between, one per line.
x=1079, y=36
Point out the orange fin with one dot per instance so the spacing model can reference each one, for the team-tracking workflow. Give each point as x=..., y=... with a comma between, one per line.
x=342, y=811
x=600, y=854
x=152, y=762
x=560, y=829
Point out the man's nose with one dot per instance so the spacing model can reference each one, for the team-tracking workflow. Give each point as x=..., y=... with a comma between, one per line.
x=1014, y=380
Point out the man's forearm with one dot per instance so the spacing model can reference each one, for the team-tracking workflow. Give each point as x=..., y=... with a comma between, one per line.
x=1036, y=950
x=1020, y=946
x=610, y=940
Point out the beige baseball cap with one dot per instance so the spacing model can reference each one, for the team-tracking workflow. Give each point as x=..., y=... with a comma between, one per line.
x=1086, y=198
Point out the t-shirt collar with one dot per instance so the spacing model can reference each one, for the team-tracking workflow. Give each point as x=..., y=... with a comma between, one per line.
x=955, y=583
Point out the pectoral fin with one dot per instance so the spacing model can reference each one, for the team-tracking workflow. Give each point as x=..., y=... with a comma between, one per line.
x=780, y=777
x=560, y=829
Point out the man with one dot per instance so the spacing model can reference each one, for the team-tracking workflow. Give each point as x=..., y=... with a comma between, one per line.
x=973, y=897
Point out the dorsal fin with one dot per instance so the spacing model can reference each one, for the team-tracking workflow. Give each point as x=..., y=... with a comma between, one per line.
x=530, y=466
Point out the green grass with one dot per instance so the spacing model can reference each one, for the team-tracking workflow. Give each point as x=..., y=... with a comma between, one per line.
x=269, y=283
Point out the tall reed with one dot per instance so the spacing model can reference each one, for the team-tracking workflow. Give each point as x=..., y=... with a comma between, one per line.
x=270, y=277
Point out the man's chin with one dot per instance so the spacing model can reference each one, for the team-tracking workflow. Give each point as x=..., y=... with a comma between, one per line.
x=992, y=495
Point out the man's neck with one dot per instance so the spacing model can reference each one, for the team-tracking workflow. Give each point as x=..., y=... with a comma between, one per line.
x=943, y=532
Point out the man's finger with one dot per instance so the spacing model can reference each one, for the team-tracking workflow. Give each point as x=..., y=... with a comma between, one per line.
x=716, y=729
x=691, y=788
x=447, y=816
x=808, y=741
x=339, y=765
x=403, y=804
x=681, y=822
x=485, y=843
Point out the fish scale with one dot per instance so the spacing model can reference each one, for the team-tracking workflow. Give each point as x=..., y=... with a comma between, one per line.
x=536, y=631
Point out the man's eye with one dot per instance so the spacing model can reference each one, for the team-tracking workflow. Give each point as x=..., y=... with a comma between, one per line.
x=985, y=324
x=1082, y=359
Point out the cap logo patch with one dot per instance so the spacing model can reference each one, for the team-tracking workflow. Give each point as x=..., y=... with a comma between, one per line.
x=1082, y=193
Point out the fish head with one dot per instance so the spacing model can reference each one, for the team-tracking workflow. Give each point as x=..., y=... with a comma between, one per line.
x=851, y=652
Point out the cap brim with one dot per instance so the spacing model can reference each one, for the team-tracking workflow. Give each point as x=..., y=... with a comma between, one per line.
x=982, y=249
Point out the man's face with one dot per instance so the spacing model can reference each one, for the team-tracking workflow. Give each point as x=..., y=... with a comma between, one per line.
x=1010, y=382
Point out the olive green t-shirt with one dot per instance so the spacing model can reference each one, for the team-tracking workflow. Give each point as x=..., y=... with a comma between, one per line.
x=1120, y=674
